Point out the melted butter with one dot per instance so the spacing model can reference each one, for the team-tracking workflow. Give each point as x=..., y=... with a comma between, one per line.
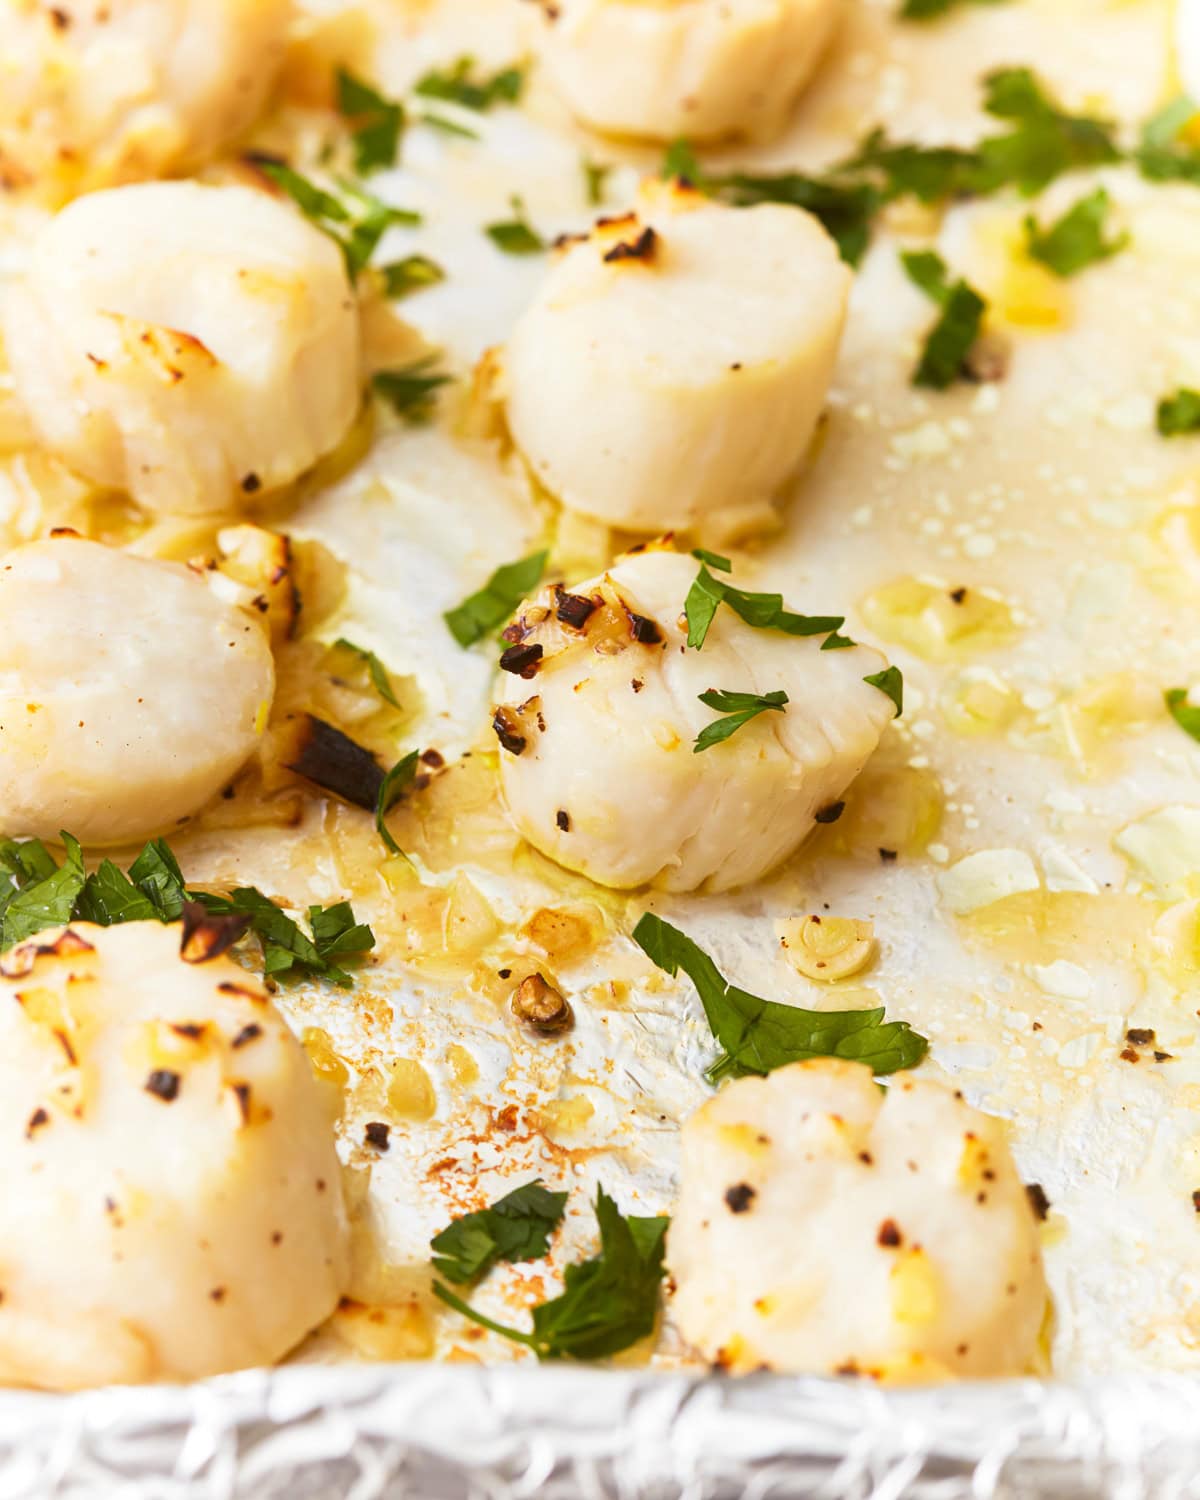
x=932, y=621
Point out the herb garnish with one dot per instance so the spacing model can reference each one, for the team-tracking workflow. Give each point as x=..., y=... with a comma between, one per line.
x=458, y=84
x=1077, y=239
x=391, y=789
x=1185, y=714
x=380, y=680
x=487, y=609
x=403, y=277
x=762, y=611
x=378, y=123
x=515, y=1227
x=1042, y=143
x=409, y=391
x=595, y=180
x=607, y=1304
x=1179, y=414
x=356, y=221
x=740, y=708
x=890, y=683
x=758, y=1035
x=927, y=10
x=42, y=894
x=950, y=339
x=1160, y=157
x=516, y=236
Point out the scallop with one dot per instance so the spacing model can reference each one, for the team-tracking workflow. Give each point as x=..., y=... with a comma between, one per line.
x=703, y=69
x=192, y=346
x=673, y=366
x=170, y=1201
x=129, y=692
x=92, y=95
x=600, y=714
x=882, y=1234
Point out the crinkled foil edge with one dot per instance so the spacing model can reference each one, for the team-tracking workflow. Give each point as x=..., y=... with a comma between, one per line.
x=466, y=1433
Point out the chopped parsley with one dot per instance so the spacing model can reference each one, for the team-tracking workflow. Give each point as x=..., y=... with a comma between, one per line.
x=758, y=1036
x=1185, y=714
x=762, y=611
x=515, y=236
x=1042, y=142
x=356, y=220
x=595, y=180
x=410, y=390
x=487, y=609
x=739, y=709
x=378, y=123
x=1077, y=239
x=1179, y=414
x=890, y=683
x=1160, y=156
x=713, y=559
x=950, y=339
x=607, y=1303
x=391, y=789
x=403, y=277
x=928, y=10
x=380, y=680
x=448, y=126
x=459, y=84
x=43, y=894
x=515, y=1227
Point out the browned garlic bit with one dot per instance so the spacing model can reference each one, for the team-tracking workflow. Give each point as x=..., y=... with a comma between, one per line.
x=885, y=1235
x=98, y=94
x=672, y=368
x=540, y=1006
x=598, y=757
x=129, y=693
x=194, y=346
x=702, y=69
x=170, y=1201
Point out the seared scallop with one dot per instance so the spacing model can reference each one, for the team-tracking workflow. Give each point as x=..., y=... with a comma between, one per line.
x=92, y=95
x=600, y=715
x=193, y=346
x=703, y=69
x=827, y=1226
x=170, y=1205
x=672, y=368
x=129, y=692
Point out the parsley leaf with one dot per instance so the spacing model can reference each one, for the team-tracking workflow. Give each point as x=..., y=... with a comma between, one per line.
x=47, y=895
x=1045, y=141
x=43, y=894
x=458, y=84
x=356, y=221
x=762, y=611
x=380, y=680
x=927, y=10
x=403, y=277
x=949, y=340
x=595, y=180
x=930, y=174
x=740, y=708
x=516, y=236
x=1179, y=414
x=391, y=789
x=1077, y=239
x=1185, y=714
x=515, y=1227
x=607, y=1304
x=890, y=682
x=409, y=391
x=713, y=559
x=378, y=122
x=487, y=609
x=759, y=1036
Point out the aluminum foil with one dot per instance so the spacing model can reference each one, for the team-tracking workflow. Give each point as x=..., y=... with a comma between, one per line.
x=454, y=1433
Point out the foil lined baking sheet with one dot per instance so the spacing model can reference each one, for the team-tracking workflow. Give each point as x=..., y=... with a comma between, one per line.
x=558, y=1433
